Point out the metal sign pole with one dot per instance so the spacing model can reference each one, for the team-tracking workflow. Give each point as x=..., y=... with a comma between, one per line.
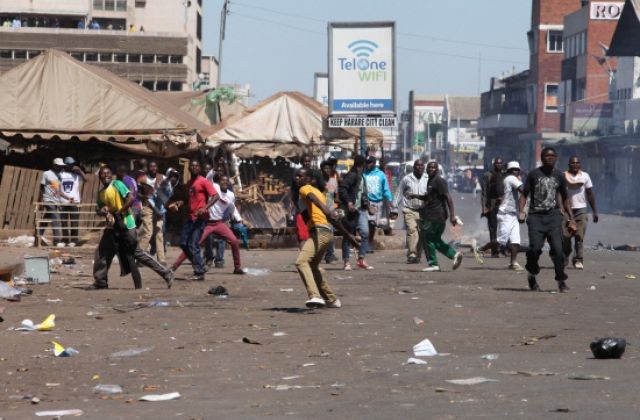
x=363, y=141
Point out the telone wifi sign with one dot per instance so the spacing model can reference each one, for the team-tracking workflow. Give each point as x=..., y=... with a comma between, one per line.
x=361, y=68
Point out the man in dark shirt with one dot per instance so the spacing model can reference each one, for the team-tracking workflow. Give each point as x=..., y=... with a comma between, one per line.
x=491, y=192
x=437, y=207
x=547, y=189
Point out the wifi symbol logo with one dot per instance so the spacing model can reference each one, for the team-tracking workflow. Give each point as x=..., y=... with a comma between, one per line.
x=363, y=49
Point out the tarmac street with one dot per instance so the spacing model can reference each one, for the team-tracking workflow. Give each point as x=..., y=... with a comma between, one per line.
x=259, y=352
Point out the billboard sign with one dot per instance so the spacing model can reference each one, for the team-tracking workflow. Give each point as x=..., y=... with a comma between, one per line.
x=362, y=68
x=606, y=10
x=321, y=88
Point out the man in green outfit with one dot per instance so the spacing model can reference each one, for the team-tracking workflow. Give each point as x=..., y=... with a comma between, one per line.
x=434, y=219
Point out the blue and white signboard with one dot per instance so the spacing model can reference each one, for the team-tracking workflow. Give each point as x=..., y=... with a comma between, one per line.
x=362, y=69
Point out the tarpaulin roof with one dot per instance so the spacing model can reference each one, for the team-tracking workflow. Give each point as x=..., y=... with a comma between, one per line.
x=55, y=96
x=288, y=119
x=626, y=38
x=194, y=103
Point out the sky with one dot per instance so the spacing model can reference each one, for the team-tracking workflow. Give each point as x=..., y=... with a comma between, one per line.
x=276, y=45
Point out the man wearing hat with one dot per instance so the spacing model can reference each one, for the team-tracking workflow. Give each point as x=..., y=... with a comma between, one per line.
x=51, y=195
x=508, y=226
x=72, y=178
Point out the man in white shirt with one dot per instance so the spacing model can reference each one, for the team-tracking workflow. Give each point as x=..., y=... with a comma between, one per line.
x=411, y=187
x=52, y=195
x=580, y=190
x=219, y=213
x=508, y=225
x=71, y=180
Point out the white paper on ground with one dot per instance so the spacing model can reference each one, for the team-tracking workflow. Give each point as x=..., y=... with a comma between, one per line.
x=414, y=361
x=470, y=381
x=60, y=413
x=424, y=348
x=160, y=397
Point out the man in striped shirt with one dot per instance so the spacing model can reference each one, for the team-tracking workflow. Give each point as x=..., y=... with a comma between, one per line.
x=411, y=187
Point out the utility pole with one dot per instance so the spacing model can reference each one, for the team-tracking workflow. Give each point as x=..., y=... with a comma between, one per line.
x=223, y=29
x=363, y=141
x=479, y=71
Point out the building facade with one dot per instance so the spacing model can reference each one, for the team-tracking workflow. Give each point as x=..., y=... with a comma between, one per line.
x=155, y=44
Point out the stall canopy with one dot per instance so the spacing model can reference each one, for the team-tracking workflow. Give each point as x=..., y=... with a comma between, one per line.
x=195, y=104
x=53, y=96
x=285, y=124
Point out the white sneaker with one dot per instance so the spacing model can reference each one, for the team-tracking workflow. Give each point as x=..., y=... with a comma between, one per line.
x=335, y=304
x=516, y=267
x=578, y=266
x=457, y=260
x=60, y=245
x=347, y=266
x=45, y=241
x=71, y=244
x=431, y=268
x=315, y=303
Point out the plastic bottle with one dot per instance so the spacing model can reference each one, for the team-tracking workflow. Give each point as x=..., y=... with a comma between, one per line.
x=107, y=389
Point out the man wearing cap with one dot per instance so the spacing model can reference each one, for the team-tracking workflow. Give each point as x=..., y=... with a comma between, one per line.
x=72, y=179
x=52, y=195
x=508, y=226
x=580, y=191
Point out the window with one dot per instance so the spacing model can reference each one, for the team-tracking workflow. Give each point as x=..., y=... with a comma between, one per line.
x=78, y=56
x=175, y=59
x=175, y=86
x=19, y=55
x=120, y=58
x=90, y=57
x=106, y=57
x=198, y=60
x=134, y=58
x=148, y=58
x=110, y=5
x=162, y=59
x=141, y=3
x=551, y=97
x=149, y=84
x=162, y=86
x=6, y=54
x=554, y=42
x=199, y=27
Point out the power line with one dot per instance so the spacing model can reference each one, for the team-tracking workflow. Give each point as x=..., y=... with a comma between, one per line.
x=467, y=57
x=414, y=35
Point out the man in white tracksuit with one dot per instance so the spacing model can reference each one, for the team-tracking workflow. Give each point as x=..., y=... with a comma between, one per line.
x=508, y=226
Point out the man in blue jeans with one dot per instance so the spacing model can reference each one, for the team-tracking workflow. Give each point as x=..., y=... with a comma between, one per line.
x=379, y=195
x=353, y=201
x=201, y=196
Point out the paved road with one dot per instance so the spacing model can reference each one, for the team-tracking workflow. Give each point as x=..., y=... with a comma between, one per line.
x=343, y=363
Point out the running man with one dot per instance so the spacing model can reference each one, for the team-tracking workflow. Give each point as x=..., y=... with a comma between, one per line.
x=508, y=226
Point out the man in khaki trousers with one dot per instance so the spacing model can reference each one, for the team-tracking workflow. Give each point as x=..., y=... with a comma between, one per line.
x=411, y=187
x=314, y=248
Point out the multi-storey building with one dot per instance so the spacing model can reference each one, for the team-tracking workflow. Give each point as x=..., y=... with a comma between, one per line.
x=157, y=44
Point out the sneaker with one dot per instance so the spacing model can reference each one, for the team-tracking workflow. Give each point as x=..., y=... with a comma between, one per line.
x=562, y=287
x=413, y=260
x=478, y=255
x=219, y=265
x=431, y=268
x=169, y=278
x=44, y=241
x=71, y=244
x=533, y=283
x=315, y=303
x=457, y=260
x=60, y=245
x=347, y=266
x=331, y=259
x=335, y=304
x=578, y=266
x=516, y=267
x=363, y=264
x=197, y=277
x=96, y=286
x=238, y=270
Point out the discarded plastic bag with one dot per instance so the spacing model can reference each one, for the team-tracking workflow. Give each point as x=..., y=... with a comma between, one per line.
x=60, y=351
x=160, y=397
x=470, y=381
x=414, y=361
x=107, y=389
x=257, y=271
x=46, y=325
x=608, y=348
x=218, y=291
x=8, y=292
x=22, y=240
x=60, y=413
x=424, y=348
x=131, y=352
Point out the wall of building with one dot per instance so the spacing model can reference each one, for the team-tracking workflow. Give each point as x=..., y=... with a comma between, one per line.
x=628, y=78
x=80, y=7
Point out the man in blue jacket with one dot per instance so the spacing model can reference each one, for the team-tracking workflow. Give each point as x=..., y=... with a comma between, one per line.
x=377, y=191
